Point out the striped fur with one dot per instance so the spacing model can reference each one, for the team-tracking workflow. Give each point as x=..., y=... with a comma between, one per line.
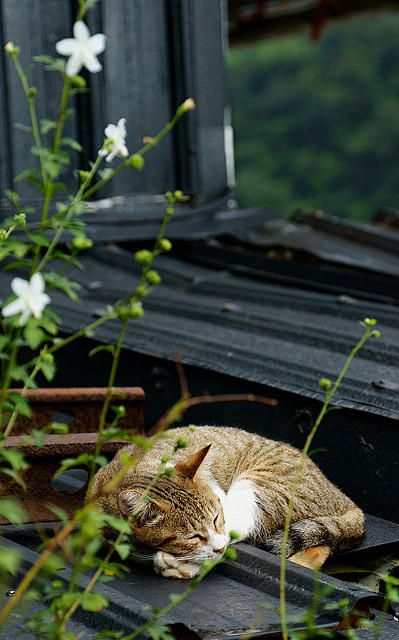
x=241, y=482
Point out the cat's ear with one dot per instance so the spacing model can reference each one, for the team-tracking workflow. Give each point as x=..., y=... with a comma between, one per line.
x=190, y=467
x=146, y=509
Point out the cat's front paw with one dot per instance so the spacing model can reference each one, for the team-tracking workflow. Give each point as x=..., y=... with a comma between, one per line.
x=171, y=567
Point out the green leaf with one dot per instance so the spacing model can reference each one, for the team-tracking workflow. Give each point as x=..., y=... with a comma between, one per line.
x=159, y=631
x=58, y=427
x=15, y=476
x=102, y=347
x=9, y=560
x=123, y=550
x=33, y=335
x=48, y=369
x=47, y=125
x=48, y=325
x=16, y=264
x=61, y=282
x=51, y=64
x=40, y=239
x=11, y=510
x=120, y=524
x=36, y=437
x=19, y=373
x=52, y=167
x=12, y=196
x=93, y=602
x=14, y=458
x=3, y=342
x=70, y=142
x=29, y=173
x=21, y=405
x=23, y=127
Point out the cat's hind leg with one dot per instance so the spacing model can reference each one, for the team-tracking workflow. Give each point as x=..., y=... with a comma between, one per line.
x=338, y=532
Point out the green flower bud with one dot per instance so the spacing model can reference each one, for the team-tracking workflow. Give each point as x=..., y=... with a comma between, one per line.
x=169, y=197
x=123, y=313
x=82, y=243
x=181, y=443
x=120, y=411
x=32, y=93
x=141, y=291
x=370, y=322
x=3, y=234
x=169, y=472
x=375, y=334
x=78, y=82
x=234, y=535
x=12, y=50
x=230, y=554
x=136, y=161
x=83, y=175
x=20, y=219
x=170, y=211
x=188, y=105
x=165, y=245
x=136, y=310
x=144, y=256
x=325, y=384
x=153, y=277
x=178, y=195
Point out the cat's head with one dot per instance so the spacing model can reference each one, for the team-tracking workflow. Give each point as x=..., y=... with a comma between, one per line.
x=180, y=515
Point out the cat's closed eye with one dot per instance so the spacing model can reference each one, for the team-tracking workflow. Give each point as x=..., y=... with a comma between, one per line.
x=199, y=537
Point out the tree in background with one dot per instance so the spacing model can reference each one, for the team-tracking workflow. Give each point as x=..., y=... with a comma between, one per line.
x=317, y=124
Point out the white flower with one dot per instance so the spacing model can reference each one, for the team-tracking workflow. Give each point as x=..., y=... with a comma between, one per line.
x=82, y=49
x=116, y=135
x=31, y=298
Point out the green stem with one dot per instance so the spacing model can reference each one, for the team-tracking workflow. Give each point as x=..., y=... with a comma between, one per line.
x=23, y=391
x=32, y=112
x=49, y=182
x=111, y=382
x=78, y=198
x=329, y=396
x=7, y=375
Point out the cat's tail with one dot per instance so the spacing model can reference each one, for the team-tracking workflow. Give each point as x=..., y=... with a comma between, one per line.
x=337, y=532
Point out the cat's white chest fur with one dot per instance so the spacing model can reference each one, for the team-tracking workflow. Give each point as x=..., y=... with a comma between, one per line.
x=239, y=505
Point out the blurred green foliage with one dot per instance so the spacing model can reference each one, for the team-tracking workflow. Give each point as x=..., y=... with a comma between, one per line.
x=317, y=124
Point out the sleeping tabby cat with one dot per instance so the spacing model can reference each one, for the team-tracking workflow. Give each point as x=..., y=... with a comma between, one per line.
x=226, y=479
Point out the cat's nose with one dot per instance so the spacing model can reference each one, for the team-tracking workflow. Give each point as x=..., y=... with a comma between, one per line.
x=219, y=550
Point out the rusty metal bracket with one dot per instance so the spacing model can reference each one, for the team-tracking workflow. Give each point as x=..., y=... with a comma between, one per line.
x=81, y=408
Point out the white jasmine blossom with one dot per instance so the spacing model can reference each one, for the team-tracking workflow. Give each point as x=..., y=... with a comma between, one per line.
x=82, y=49
x=116, y=136
x=31, y=298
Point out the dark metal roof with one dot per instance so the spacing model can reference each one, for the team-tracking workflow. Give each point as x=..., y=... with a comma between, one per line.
x=222, y=606
x=281, y=323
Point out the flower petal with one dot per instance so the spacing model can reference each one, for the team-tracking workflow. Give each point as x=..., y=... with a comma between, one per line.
x=81, y=32
x=37, y=284
x=89, y=60
x=111, y=131
x=20, y=286
x=14, y=307
x=38, y=305
x=66, y=47
x=121, y=127
x=25, y=315
x=97, y=43
x=73, y=66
